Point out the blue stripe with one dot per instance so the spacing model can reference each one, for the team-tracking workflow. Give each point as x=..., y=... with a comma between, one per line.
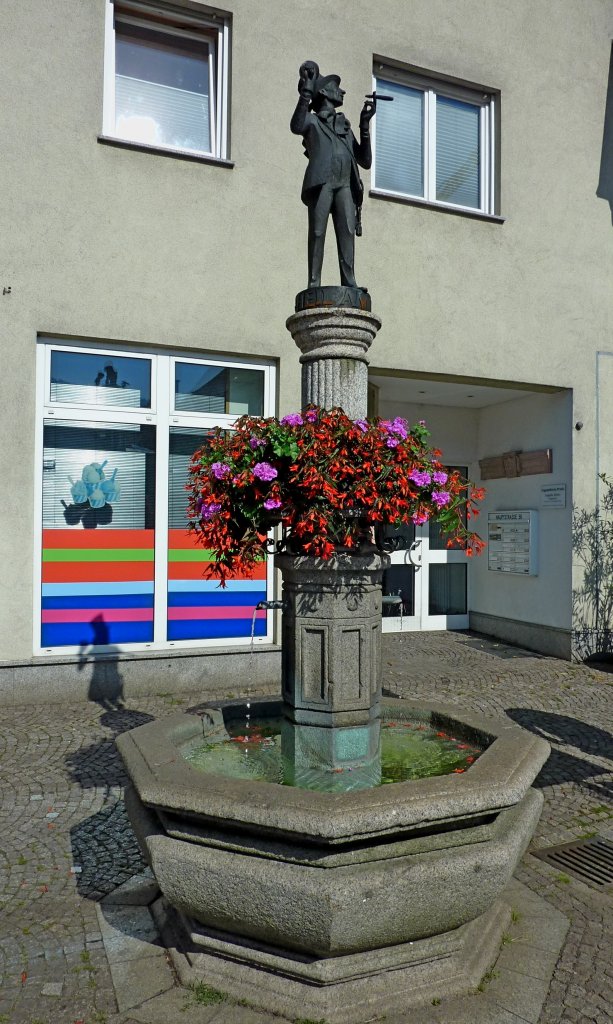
x=68, y=589
x=202, y=629
x=200, y=599
x=100, y=601
x=82, y=634
x=204, y=585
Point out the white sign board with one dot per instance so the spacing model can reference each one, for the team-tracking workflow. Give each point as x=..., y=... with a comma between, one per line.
x=511, y=542
x=553, y=496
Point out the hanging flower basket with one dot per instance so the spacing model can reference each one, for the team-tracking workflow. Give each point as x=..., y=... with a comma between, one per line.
x=327, y=480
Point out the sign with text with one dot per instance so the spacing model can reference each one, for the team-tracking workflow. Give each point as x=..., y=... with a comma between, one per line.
x=511, y=540
x=553, y=496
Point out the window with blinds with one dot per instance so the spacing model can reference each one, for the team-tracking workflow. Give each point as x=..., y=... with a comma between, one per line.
x=119, y=564
x=166, y=77
x=434, y=142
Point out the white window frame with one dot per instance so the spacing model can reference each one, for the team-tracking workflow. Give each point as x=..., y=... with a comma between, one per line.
x=431, y=87
x=187, y=22
x=163, y=418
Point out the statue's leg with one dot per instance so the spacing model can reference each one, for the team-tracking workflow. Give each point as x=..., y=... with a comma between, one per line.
x=344, y=220
x=319, y=211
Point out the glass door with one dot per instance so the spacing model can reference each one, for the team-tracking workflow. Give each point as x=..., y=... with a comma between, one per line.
x=426, y=585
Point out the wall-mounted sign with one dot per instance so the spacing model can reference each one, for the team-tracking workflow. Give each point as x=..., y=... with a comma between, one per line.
x=553, y=496
x=511, y=540
x=512, y=464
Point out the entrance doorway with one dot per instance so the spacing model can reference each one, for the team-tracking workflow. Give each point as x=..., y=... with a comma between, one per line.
x=426, y=585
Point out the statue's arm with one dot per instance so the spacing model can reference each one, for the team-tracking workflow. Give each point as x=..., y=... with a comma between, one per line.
x=362, y=150
x=300, y=118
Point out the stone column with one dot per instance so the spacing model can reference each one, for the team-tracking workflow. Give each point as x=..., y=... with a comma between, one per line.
x=334, y=343
x=331, y=646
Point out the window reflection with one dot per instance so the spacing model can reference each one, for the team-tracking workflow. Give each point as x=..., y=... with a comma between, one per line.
x=100, y=379
x=221, y=390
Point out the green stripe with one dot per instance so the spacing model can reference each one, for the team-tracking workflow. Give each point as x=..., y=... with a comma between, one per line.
x=189, y=555
x=99, y=555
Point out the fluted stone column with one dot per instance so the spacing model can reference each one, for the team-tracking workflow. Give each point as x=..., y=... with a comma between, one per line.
x=334, y=343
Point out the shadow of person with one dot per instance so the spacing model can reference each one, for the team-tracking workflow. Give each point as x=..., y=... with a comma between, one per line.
x=106, y=681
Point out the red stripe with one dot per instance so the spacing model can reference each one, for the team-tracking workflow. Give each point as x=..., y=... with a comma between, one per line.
x=181, y=539
x=97, y=572
x=94, y=540
x=195, y=571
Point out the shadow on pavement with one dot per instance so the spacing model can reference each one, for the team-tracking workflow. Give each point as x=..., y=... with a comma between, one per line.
x=562, y=766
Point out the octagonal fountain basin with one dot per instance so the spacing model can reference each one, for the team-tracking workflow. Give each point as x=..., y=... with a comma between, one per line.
x=330, y=874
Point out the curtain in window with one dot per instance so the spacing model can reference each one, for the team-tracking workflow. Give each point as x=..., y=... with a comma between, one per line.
x=457, y=152
x=400, y=140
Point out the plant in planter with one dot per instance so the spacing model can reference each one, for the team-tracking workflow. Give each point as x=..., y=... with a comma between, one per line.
x=327, y=479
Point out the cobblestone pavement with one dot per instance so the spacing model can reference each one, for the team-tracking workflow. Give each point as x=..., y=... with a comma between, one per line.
x=65, y=841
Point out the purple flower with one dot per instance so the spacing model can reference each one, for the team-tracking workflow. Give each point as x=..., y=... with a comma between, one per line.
x=208, y=511
x=256, y=442
x=419, y=517
x=422, y=423
x=220, y=469
x=264, y=471
x=392, y=442
x=399, y=426
x=271, y=503
x=441, y=498
x=386, y=425
x=420, y=477
x=362, y=424
x=293, y=419
x=311, y=416
x=439, y=477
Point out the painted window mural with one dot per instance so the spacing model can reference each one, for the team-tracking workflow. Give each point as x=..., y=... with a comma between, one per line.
x=119, y=566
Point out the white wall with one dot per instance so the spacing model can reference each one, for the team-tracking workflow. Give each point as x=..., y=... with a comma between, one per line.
x=531, y=423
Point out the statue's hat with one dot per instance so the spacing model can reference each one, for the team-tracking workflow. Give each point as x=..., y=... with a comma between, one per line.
x=323, y=80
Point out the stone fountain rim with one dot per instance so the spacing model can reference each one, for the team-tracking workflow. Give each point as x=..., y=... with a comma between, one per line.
x=499, y=778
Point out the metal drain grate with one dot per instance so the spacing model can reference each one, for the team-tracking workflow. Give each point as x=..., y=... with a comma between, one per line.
x=589, y=860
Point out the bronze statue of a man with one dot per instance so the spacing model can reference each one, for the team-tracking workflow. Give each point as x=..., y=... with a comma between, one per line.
x=332, y=182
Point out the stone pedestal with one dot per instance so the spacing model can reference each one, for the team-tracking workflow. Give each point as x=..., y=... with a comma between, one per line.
x=331, y=645
x=334, y=343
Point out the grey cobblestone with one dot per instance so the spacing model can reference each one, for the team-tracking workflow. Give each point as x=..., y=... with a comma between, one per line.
x=61, y=810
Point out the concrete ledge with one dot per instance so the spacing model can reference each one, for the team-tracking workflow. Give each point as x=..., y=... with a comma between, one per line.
x=211, y=673
x=550, y=640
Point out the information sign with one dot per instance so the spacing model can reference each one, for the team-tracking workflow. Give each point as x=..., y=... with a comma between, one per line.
x=511, y=542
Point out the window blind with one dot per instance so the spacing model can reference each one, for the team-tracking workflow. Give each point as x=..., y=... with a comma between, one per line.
x=400, y=140
x=162, y=115
x=457, y=152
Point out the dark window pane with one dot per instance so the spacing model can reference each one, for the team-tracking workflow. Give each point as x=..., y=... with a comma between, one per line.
x=220, y=390
x=96, y=379
x=399, y=581
x=447, y=590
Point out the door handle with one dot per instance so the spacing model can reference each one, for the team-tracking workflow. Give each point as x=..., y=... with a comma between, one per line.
x=415, y=554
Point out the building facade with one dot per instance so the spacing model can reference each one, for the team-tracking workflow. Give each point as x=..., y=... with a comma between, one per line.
x=153, y=242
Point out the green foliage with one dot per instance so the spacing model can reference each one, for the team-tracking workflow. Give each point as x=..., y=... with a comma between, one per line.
x=204, y=995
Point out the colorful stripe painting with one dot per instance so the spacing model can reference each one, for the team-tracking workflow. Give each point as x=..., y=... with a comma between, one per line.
x=97, y=587
x=199, y=609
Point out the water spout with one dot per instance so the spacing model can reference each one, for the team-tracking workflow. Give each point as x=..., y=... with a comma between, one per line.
x=269, y=605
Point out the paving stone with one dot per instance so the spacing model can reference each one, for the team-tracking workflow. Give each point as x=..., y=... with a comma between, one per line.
x=61, y=810
x=138, y=980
